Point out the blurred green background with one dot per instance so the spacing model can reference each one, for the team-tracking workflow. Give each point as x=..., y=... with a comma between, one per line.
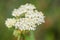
x=50, y=30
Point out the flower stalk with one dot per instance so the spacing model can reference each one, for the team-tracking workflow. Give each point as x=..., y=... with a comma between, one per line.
x=18, y=38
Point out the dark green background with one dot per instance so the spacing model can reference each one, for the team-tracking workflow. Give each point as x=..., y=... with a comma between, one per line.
x=50, y=30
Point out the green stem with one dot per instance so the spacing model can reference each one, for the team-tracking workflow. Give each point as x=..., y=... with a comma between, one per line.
x=18, y=38
x=31, y=36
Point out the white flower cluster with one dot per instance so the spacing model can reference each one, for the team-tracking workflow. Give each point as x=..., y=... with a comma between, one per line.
x=23, y=9
x=36, y=16
x=25, y=24
x=10, y=22
x=32, y=17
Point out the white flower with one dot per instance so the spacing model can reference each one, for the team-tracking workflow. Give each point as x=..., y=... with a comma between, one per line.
x=25, y=24
x=16, y=12
x=23, y=9
x=32, y=17
x=36, y=16
x=28, y=6
x=10, y=22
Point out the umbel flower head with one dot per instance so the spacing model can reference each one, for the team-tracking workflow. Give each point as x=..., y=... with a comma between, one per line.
x=23, y=9
x=10, y=22
x=25, y=24
x=30, y=19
